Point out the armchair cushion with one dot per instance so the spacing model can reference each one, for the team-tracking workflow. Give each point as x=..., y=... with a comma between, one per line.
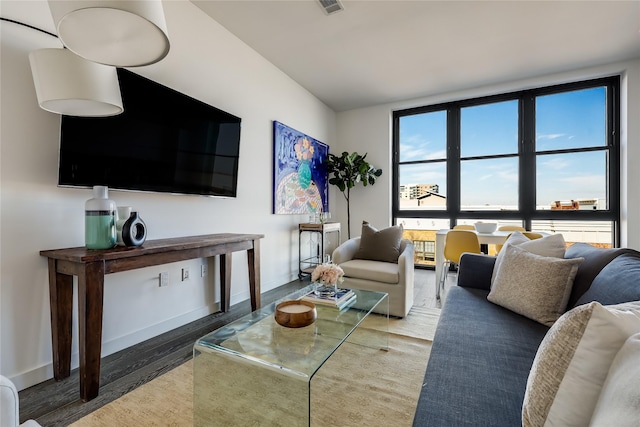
x=372, y=270
x=380, y=245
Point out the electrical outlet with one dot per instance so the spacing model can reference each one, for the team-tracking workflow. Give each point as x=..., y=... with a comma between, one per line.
x=164, y=279
x=203, y=270
x=185, y=274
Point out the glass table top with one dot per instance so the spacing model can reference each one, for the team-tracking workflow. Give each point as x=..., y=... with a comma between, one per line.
x=257, y=337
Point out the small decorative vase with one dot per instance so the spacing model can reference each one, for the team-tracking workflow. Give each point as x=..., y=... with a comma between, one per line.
x=134, y=230
x=100, y=220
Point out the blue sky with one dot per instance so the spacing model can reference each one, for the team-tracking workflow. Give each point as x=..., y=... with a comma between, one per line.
x=566, y=120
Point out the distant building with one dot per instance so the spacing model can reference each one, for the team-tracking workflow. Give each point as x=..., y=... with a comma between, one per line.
x=578, y=204
x=414, y=191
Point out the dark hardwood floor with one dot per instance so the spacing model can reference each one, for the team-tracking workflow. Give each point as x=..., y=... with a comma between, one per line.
x=57, y=403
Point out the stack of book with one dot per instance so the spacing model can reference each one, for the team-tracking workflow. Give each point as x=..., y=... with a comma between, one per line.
x=343, y=298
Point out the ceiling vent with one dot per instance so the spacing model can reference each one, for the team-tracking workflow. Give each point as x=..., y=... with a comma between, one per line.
x=330, y=6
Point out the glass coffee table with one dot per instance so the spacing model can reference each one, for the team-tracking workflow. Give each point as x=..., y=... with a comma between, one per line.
x=255, y=372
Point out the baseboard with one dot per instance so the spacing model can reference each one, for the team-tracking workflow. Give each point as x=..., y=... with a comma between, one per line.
x=45, y=372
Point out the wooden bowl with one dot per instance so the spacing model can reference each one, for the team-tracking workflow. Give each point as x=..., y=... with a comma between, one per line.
x=296, y=314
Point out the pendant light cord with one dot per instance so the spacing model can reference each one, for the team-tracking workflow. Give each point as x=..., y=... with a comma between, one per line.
x=28, y=26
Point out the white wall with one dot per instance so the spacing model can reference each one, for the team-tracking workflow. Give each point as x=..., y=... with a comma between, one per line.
x=369, y=130
x=205, y=62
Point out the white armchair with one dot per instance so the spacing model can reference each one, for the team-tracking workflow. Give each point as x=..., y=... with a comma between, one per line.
x=9, y=406
x=394, y=279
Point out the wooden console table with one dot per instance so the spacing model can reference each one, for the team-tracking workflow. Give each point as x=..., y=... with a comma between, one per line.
x=91, y=266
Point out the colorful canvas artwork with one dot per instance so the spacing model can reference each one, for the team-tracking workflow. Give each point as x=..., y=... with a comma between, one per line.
x=300, y=183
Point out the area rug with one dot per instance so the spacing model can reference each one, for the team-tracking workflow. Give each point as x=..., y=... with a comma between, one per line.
x=357, y=386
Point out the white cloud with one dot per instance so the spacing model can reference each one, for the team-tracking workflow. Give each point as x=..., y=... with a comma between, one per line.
x=411, y=152
x=553, y=136
x=508, y=175
x=555, y=163
x=415, y=147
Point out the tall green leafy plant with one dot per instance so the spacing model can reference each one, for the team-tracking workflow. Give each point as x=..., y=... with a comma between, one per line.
x=348, y=170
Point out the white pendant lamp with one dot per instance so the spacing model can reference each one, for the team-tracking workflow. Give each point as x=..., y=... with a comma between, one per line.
x=120, y=33
x=70, y=85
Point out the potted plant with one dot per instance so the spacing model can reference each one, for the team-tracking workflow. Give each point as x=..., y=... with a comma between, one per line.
x=348, y=170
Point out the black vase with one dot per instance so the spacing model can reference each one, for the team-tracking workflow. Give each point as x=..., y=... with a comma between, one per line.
x=134, y=231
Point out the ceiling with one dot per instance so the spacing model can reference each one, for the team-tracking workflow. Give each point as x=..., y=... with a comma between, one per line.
x=381, y=51
x=375, y=52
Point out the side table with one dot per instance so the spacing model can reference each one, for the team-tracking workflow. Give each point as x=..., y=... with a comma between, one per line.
x=91, y=265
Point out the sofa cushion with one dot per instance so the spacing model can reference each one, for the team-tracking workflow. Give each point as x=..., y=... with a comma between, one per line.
x=595, y=259
x=572, y=362
x=376, y=271
x=618, y=401
x=549, y=246
x=380, y=245
x=535, y=286
x=475, y=270
x=616, y=283
x=479, y=362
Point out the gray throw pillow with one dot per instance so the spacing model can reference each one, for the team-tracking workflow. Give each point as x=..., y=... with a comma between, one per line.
x=380, y=245
x=548, y=246
x=534, y=286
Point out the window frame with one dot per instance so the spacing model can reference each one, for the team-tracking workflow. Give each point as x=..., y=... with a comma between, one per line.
x=526, y=211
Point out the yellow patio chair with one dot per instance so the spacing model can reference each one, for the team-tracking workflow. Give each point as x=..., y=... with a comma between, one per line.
x=456, y=243
x=511, y=228
x=464, y=227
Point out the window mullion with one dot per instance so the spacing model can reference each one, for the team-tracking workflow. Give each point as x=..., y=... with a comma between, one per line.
x=527, y=182
x=453, y=163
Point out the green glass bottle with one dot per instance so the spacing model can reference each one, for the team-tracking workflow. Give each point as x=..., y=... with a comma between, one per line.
x=100, y=220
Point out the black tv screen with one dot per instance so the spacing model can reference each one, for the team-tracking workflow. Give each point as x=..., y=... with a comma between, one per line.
x=164, y=141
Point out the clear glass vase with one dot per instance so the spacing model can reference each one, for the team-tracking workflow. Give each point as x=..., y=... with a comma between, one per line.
x=324, y=290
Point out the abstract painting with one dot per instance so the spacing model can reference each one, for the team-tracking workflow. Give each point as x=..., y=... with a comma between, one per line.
x=300, y=179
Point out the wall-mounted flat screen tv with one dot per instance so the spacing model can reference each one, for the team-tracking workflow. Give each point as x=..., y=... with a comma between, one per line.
x=164, y=141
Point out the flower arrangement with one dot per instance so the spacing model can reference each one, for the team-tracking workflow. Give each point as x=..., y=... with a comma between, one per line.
x=327, y=274
x=304, y=150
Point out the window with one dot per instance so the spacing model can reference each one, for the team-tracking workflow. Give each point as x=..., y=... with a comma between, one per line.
x=572, y=149
x=540, y=158
x=489, y=156
x=423, y=157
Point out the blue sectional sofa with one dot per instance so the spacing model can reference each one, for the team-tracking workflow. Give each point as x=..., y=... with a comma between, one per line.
x=482, y=353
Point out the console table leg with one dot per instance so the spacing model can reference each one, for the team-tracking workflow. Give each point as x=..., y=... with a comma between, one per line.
x=253, y=258
x=61, y=303
x=90, y=299
x=225, y=282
